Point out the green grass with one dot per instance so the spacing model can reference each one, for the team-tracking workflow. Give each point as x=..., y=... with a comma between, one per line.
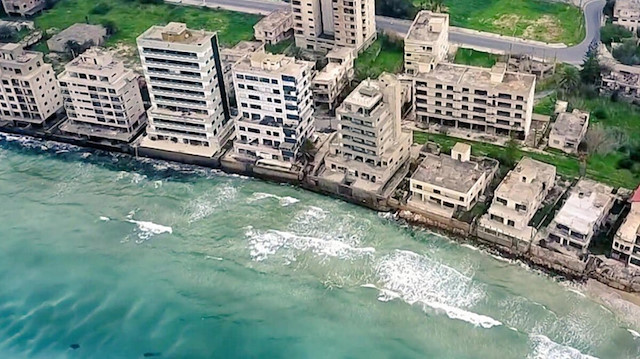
x=546, y=105
x=132, y=18
x=519, y=18
x=280, y=47
x=475, y=58
x=381, y=56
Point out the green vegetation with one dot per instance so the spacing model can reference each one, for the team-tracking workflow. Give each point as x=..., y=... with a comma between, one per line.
x=130, y=18
x=475, y=58
x=383, y=55
x=546, y=105
x=281, y=47
x=541, y=20
x=614, y=33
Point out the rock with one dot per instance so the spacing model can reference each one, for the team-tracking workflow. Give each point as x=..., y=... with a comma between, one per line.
x=74, y=346
x=150, y=354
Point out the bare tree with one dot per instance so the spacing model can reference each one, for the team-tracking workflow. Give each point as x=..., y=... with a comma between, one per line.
x=600, y=140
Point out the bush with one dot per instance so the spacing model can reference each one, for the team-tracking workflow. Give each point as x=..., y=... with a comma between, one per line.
x=625, y=163
x=600, y=113
x=101, y=8
x=614, y=33
x=634, y=154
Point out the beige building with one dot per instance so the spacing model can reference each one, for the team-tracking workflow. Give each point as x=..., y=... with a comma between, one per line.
x=581, y=216
x=627, y=13
x=569, y=130
x=475, y=100
x=101, y=97
x=626, y=243
x=328, y=83
x=623, y=79
x=85, y=35
x=229, y=57
x=322, y=24
x=445, y=183
x=189, y=112
x=427, y=42
x=23, y=7
x=370, y=145
x=30, y=92
x=517, y=199
x=276, y=106
x=274, y=27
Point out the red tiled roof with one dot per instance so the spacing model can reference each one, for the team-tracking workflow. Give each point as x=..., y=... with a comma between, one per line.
x=636, y=195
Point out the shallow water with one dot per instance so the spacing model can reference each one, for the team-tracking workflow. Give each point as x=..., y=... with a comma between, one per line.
x=125, y=257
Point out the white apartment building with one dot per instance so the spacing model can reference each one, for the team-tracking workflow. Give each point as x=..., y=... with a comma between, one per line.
x=569, y=130
x=627, y=13
x=445, y=183
x=274, y=27
x=23, y=7
x=626, y=243
x=322, y=24
x=475, y=100
x=30, y=92
x=229, y=56
x=581, y=216
x=274, y=100
x=517, y=199
x=329, y=82
x=370, y=145
x=101, y=97
x=189, y=112
x=427, y=42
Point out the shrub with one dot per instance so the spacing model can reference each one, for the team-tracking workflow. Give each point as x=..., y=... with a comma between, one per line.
x=625, y=163
x=101, y=8
x=600, y=113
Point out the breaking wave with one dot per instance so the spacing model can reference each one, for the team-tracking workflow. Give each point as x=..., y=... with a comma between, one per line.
x=545, y=348
x=284, y=201
x=146, y=230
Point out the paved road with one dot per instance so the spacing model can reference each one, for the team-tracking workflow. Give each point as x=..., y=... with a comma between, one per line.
x=574, y=54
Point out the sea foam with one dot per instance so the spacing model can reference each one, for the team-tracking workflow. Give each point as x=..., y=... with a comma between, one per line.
x=545, y=348
x=284, y=201
x=149, y=229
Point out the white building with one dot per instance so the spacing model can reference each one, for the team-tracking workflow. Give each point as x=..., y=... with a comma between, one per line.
x=323, y=24
x=329, y=82
x=189, y=112
x=427, y=42
x=627, y=13
x=569, y=130
x=274, y=27
x=626, y=243
x=29, y=92
x=101, y=97
x=274, y=100
x=370, y=146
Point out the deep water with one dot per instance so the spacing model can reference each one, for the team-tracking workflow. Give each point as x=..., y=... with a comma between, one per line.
x=105, y=256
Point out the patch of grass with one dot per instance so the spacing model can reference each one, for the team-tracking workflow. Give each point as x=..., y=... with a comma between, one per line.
x=475, y=58
x=546, y=105
x=382, y=56
x=131, y=18
x=534, y=19
x=280, y=47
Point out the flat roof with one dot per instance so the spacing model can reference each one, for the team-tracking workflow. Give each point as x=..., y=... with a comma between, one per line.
x=177, y=32
x=535, y=172
x=422, y=28
x=586, y=204
x=444, y=171
x=570, y=124
x=367, y=94
x=274, y=19
x=273, y=63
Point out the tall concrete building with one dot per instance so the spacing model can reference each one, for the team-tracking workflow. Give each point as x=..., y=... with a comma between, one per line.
x=427, y=42
x=30, y=92
x=475, y=99
x=189, y=110
x=329, y=82
x=323, y=24
x=274, y=100
x=102, y=97
x=23, y=7
x=371, y=145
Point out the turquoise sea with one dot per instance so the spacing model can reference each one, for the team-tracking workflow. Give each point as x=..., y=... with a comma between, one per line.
x=105, y=256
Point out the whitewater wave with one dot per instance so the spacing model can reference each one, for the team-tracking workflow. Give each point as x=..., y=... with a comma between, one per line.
x=146, y=229
x=264, y=244
x=545, y=348
x=105, y=219
x=206, y=204
x=284, y=201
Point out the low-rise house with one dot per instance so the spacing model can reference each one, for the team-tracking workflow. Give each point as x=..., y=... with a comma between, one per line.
x=23, y=7
x=627, y=13
x=626, y=243
x=517, y=199
x=529, y=65
x=579, y=219
x=85, y=35
x=427, y=42
x=101, y=97
x=569, y=130
x=443, y=183
x=370, y=146
x=274, y=27
x=333, y=78
x=624, y=80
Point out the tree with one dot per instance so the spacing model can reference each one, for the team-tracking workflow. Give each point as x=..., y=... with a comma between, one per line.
x=600, y=141
x=510, y=154
x=7, y=34
x=569, y=80
x=614, y=33
x=591, y=69
x=395, y=8
x=627, y=53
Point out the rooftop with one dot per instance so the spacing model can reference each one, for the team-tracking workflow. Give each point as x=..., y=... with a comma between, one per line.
x=95, y=58
x=80, y=32
x=177, y=32
x=570, y=124
x=626, y=5
x=427, y=26
x=444, y=171
x=16, y=53
x=585, y=205
x=273, y=20
x=481, y=77
x=367, y=94
x=273, y=63
x=526, y=181
x=328, y=73
x=630, y=228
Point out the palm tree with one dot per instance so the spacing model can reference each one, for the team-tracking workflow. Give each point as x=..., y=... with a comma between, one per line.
x=569, y=80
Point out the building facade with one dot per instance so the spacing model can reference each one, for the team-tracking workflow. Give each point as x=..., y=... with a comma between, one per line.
x=446, y=183
x=329, y=82
x=568, y=131
x=189, y=110
x=370, y=145
x=627, y=13
x=101, y=97
x=23, y=7
x=274, y=27
x=427, y=42
x=626, y=243
x=322, y=24
x=275, y=104
x=229, y=57
x=474, y=99
x=30, y=93
x=517, y=199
